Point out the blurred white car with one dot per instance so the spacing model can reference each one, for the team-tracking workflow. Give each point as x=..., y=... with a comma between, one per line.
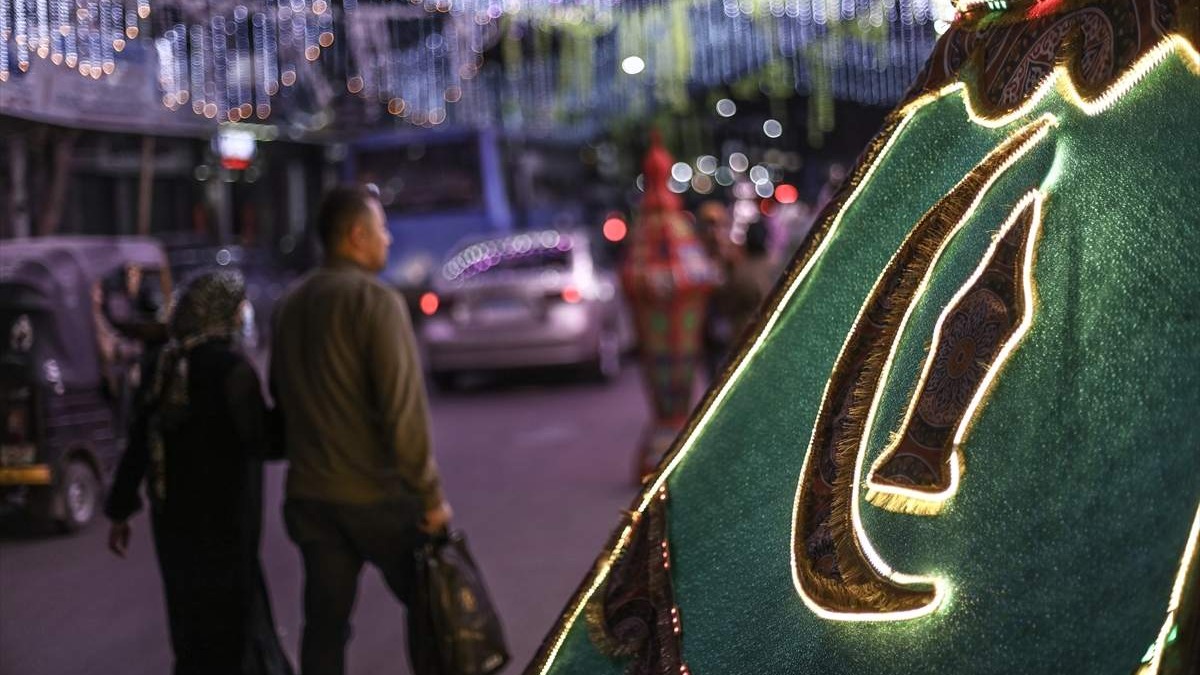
x=525, y=300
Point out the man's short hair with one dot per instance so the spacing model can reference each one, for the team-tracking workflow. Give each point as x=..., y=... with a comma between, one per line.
x=340, y=209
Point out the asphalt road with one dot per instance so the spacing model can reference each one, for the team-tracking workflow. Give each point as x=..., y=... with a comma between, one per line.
x=537, y=470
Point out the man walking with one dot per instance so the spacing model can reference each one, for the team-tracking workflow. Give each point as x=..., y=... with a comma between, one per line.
x=362, y=484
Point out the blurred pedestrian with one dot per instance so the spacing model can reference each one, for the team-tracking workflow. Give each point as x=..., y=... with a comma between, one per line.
x=198, y=438
x=362, y=485
x=713, y=223
x=749, y=275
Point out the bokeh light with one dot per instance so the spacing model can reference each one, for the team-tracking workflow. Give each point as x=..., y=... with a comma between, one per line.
x=429, y=303
x=786, y=194
x=615, y=229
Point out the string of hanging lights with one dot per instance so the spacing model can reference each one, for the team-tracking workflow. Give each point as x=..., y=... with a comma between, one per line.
x=548, y=63
x=83, y=35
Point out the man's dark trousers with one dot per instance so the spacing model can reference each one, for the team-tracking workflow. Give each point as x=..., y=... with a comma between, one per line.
x=335, y=540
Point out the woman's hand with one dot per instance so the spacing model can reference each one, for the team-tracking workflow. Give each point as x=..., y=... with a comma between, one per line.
x=118, y=538
x=437, y=519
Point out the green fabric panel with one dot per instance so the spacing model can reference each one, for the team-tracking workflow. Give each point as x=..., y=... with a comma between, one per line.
x=735, y=590
x=1042, y=556
x=1082, y=471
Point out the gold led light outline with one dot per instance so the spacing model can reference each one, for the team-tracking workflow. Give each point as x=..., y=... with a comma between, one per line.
x=1173, y=42
x=1036, y=131
x=1061, y=79
x=1185, y=564
x=907, y=500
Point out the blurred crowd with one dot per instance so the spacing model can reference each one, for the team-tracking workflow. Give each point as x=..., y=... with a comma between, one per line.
x=750, y=248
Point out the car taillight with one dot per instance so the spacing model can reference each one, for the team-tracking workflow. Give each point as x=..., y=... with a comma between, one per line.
x=430, y=303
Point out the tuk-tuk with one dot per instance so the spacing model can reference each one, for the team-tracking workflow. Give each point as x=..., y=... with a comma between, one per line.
x=70, y=312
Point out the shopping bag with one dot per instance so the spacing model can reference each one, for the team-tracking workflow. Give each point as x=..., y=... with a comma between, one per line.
x=456, y=628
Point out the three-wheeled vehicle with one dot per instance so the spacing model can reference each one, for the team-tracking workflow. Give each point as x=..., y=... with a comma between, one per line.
x=69, y=363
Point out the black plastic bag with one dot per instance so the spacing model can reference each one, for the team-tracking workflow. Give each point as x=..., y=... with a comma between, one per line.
x=457, y=630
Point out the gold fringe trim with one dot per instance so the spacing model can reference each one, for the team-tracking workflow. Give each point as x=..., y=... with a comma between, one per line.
x=897, y=503
x=862, y=588
x=928, y=499
x=911, y=502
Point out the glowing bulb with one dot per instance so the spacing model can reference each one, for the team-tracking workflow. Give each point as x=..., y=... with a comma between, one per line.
x=739, y=162
x=681, y=172
x=633, y=65
x=726, y=108
x=772, y=128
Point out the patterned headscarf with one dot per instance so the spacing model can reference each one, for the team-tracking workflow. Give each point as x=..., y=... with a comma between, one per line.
x=206, y=307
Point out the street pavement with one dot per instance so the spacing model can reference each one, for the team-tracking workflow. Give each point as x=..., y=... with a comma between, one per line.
x=537, y=469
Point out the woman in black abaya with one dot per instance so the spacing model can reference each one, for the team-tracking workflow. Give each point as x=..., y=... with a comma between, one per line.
x=198, y=439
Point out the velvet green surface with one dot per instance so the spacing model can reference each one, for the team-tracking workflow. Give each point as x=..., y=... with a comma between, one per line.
x=1083, y=469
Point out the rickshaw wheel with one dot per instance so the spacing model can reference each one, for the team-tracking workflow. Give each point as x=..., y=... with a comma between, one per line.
x=80, y=495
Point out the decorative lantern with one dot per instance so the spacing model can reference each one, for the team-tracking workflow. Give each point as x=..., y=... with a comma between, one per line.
x=667, y=277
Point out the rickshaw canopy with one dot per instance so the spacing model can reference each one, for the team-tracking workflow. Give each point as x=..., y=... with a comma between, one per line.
x=54, y=277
